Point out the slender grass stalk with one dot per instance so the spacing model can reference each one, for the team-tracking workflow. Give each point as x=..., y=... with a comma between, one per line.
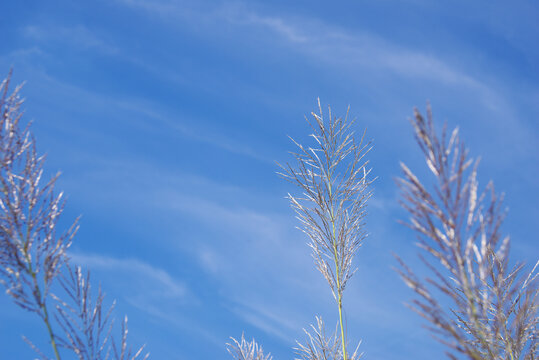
x=45, y=315
x=337, y=270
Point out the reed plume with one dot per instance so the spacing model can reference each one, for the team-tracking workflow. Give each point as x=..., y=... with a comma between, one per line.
x=33, y=252
x=487, y=309
x=332, y=176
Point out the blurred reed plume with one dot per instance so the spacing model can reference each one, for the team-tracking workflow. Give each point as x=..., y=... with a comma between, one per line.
x=244, y=350
x=33, y=252
x=321, y=346
x=488, y=310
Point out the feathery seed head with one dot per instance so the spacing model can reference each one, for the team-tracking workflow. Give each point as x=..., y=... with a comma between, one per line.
x=333, y=178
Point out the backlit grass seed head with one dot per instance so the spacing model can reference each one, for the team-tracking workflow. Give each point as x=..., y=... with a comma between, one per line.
x=332, y=176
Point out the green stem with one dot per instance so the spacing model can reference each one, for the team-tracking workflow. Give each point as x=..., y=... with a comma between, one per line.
x=340, y=318
x=49, y=329
x=337, y=270
x=43, y=308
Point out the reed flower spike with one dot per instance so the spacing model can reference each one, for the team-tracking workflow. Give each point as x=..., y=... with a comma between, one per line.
x=333, y=179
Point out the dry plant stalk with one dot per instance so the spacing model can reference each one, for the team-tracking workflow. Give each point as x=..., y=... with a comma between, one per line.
x=33, y=256
x=488, y=310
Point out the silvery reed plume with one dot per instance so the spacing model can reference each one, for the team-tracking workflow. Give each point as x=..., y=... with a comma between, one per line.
x=332, y=176
x=481, y=308
x=33, y=252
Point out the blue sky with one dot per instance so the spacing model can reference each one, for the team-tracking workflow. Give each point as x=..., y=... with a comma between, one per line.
x=166, y=119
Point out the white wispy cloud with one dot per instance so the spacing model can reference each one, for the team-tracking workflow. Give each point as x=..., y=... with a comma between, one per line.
x=144, y=282
x=350, y=49
x=187, y=127
x=318, y=40
x=140, y=113
x=151, y=290
x=286, y=29
x=355, y=52
x=237, y=246
x=78, y=36
x=271, y=325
